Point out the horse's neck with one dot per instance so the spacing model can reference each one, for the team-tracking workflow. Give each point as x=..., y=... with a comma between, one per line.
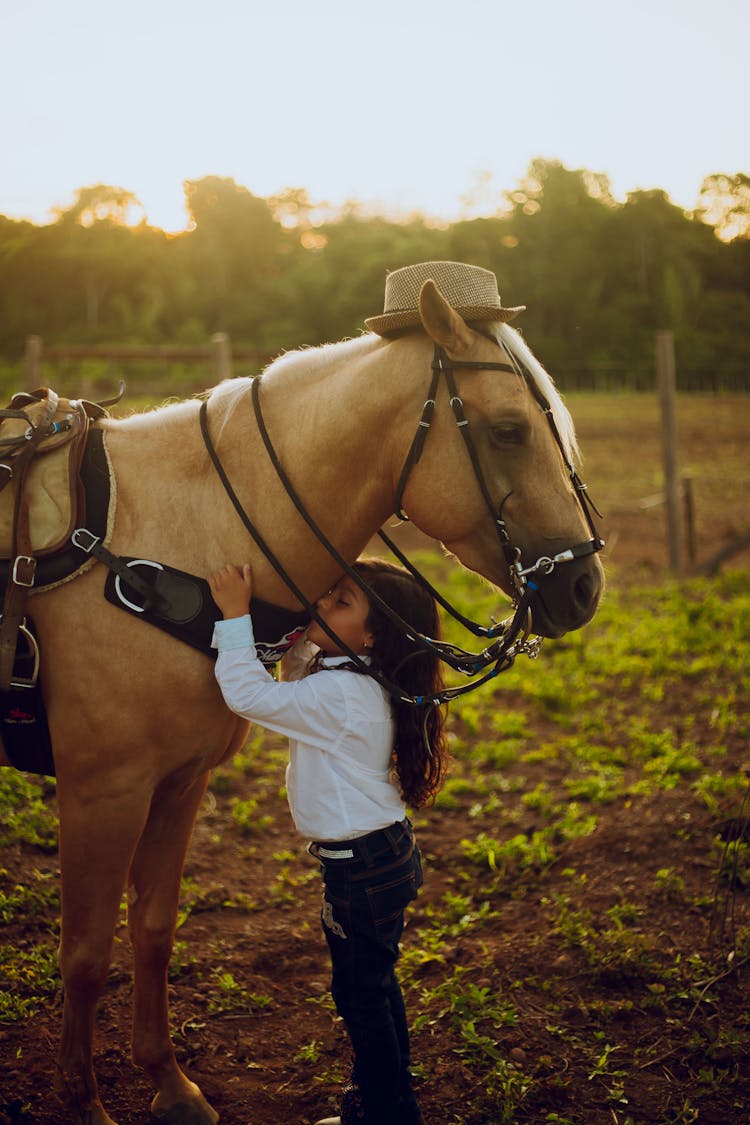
x=332, y=416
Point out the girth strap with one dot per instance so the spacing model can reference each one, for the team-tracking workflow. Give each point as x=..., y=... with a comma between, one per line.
x=86, y=541
x=21, y=577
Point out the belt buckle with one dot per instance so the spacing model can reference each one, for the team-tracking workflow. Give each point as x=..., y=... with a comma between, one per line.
x=341, y=853
x=26, y=560
x=330, y=853
x=83, y=545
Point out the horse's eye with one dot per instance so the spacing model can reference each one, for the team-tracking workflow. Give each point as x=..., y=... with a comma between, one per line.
x=506, y=433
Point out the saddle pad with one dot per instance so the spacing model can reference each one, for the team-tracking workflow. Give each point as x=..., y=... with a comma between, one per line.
x=185, y=609
x=98, y=508
x=52, y=488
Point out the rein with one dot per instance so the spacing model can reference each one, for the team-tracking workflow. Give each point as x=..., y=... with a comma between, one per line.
x=513, y=635
x=468, y=663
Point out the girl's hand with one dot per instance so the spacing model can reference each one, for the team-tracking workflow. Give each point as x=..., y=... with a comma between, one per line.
x=295, y=664
x=231, y=589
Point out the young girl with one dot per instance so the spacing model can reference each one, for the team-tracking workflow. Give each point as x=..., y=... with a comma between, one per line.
x=357, y=758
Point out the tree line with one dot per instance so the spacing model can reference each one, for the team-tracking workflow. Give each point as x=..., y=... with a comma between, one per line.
x=599, y=277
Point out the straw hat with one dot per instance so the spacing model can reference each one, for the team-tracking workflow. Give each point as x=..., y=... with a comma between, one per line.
x=471, y=290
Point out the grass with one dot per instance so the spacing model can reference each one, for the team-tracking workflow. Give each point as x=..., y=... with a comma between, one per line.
x=25, y=815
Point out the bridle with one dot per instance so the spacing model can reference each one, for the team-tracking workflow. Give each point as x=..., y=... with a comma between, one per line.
x=521, y=578
x=511, y=637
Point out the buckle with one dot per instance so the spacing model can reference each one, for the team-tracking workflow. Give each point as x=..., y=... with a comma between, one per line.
x=332, y=853
x=118, y=585
x=17, y=578
x=76, y=537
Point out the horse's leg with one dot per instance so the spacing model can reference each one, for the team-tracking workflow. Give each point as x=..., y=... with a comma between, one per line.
x=152, y=915
x=97, y=841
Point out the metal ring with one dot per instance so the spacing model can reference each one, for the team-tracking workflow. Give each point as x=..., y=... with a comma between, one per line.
x=118, y=588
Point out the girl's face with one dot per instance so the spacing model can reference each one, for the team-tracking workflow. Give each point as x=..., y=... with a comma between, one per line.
x=345, y=609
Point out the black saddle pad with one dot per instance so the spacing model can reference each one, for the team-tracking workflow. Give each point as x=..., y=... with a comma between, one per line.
x=183, y=607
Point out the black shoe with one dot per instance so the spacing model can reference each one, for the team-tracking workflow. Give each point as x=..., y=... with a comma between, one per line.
x=351, y=1108
x=353, y=1112
x=419, y=1120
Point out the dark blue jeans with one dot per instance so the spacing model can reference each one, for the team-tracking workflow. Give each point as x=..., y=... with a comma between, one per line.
x=364, y=899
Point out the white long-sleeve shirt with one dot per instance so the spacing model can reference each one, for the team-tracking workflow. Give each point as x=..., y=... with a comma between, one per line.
x=340, y=729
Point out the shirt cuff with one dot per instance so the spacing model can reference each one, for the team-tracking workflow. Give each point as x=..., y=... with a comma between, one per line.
x=237, y=632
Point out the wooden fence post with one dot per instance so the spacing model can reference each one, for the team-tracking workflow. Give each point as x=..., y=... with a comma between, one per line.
x=221, y=356
x=33, y=362
x=665, y=374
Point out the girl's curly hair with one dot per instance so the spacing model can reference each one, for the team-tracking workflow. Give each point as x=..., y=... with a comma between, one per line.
x=420, y=751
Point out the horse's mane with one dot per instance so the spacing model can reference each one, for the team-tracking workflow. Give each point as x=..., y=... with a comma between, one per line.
x=156, y=416
x=309, y=359
x=317, y=355
x=519, y=349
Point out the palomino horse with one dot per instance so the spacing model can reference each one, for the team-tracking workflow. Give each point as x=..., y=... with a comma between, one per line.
x=137, y=720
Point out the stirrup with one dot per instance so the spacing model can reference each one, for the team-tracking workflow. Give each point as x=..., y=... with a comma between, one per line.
x=32, y=652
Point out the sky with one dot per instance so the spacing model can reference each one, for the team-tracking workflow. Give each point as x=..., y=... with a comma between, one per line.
x=404, y=105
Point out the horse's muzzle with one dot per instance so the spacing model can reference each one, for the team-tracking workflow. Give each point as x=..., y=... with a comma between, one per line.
x=567, y=598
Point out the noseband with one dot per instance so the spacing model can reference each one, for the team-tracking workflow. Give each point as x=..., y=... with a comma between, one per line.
x=512, y=636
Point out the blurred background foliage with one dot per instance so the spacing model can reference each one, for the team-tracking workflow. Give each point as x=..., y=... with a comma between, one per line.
x=598, y=276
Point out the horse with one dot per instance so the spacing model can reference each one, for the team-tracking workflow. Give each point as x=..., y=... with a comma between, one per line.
x=136, y=717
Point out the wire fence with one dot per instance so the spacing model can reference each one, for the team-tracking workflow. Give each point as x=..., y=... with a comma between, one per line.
x=95, y=371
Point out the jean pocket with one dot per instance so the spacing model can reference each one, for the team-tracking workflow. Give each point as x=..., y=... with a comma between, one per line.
x=388, y=900
x=418, y=873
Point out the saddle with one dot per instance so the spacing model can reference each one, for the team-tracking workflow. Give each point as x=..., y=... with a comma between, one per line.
x=55, y=513
x=42, y=444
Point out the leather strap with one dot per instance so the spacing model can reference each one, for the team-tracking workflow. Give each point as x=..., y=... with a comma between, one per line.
x=21, y=577
x=86, y=541
x=14, y=603
x=502, y=651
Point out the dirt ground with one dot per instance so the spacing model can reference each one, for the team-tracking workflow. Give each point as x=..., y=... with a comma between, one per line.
x=251, y=1064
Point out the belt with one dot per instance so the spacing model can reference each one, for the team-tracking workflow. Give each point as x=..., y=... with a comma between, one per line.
x=350, y=849
x=332, y=853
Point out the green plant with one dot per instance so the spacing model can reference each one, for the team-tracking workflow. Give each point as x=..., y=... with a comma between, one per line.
x=19, y=901
x=31, y=976
x=669, y=884
x=247, y=818
x=228, y=995
x=520, y=852
x=25, y=815
x=310, y=1053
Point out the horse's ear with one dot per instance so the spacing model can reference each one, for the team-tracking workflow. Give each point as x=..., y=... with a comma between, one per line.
x=442, y=322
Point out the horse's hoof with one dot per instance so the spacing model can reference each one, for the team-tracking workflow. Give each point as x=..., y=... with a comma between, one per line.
x=196, y=1111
